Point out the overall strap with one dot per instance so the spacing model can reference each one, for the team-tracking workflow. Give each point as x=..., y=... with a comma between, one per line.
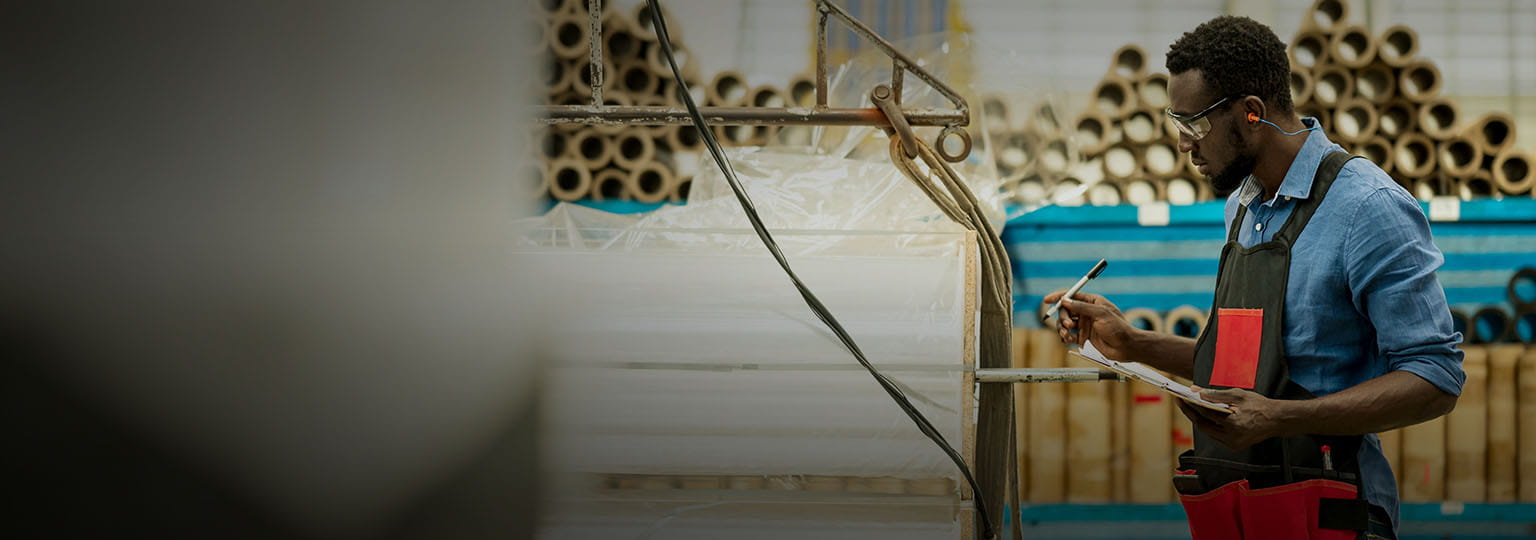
x=1326, y=173
x=1237, y=222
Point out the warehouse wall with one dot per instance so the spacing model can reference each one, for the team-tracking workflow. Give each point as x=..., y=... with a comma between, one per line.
x=1069, y=42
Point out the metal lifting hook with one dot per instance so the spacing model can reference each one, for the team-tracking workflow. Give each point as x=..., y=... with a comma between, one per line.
x=885, y=100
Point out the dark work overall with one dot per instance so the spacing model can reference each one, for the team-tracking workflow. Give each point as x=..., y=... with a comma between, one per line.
x=1280, y=488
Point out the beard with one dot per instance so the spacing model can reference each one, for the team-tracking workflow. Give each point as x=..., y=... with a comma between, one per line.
x=1230, y=177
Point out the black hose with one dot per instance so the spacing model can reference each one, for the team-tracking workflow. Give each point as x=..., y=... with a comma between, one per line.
x=664, y=40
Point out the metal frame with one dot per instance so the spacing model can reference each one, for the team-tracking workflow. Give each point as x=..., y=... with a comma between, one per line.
x=887, y=114
x=1043, y=375
x=953, y=120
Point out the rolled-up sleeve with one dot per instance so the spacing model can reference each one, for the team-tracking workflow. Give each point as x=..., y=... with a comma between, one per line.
x=1391, y=267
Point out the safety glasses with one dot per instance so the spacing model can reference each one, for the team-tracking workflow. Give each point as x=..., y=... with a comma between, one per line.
x=1195, y=126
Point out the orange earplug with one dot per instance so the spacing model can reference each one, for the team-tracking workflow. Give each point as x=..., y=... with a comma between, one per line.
x=1253, y=118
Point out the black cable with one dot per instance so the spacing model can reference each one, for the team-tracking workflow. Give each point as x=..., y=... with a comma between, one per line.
x=664, y=40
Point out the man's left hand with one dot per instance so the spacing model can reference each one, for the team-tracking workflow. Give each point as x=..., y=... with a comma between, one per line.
x=1253, y=417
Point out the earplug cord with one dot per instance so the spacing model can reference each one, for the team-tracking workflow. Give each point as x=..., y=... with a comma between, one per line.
x=1254, y=117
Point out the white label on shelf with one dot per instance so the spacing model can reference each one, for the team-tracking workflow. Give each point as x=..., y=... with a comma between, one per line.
x=1444, y=208
x=1452, y=508
x=1154, y=214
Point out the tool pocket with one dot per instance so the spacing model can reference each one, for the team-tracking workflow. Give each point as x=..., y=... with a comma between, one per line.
x=1321, y=505
x=1307, y=510
x=1215, y=514
x=1313, y=509
x=1238, y=334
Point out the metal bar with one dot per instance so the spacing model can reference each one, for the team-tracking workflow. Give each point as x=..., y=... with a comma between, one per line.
x=885, y=46
x=1045, y=375
x=595, y=49
x=741, y=116
x=821, y=58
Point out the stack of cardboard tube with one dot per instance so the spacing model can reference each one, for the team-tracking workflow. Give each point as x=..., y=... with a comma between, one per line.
x=1033, y=154
x=647, y=164
x=1484, y=450
x=1100, y=442
x=1372, y=93
x=1378, y=98
x=1119, y=150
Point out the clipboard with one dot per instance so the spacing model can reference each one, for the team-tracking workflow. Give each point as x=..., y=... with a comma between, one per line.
x=1139, y=372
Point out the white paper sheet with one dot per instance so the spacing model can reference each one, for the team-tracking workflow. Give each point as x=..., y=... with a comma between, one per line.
x=1137, y=371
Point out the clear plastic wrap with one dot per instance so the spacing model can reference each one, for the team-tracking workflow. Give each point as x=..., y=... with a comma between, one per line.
x=1028, y=128
x=945, y=56
x=668, y=293
x=692, y=355
x=694, y=361
x=807, y=194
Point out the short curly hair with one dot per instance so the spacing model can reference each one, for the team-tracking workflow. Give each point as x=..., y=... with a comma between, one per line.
x=1236, y=56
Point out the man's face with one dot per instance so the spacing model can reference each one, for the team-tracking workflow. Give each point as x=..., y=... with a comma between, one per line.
x=1222, y=155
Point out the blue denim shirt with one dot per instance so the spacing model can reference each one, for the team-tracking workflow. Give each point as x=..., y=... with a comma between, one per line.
x=1362, y=299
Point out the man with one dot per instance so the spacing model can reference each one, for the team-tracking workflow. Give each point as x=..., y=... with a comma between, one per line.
x=1328, y=324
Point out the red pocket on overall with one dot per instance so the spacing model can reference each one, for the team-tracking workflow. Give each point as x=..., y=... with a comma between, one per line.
x=1238, y=334
x=1216, y=514
x=1292, y=511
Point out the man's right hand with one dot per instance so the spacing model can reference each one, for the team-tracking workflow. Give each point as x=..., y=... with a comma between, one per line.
x=1088, y=316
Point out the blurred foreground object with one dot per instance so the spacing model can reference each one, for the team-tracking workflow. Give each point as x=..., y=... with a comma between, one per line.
x=256, y=280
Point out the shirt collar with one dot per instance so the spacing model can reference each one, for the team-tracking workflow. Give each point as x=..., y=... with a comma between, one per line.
x=1298, y=179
